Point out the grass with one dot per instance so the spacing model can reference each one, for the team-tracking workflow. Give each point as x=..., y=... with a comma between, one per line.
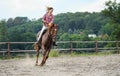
x=16, y=56
x=55, y=53
x=104, y=53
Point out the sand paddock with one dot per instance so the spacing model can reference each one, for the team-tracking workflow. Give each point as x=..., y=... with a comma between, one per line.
x=63, y=66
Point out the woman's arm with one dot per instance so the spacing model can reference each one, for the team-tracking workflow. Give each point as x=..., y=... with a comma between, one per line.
x=44, y=19
x=52, y=19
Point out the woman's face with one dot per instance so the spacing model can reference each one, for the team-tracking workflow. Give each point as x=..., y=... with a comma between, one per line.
x=50, y=11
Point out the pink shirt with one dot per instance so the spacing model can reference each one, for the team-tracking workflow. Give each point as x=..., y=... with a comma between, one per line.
x=48, y=18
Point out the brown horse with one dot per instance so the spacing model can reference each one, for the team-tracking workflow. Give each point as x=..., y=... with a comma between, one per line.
x=46, y=43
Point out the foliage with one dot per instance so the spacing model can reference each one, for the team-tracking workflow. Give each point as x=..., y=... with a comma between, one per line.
x=72, y=26
x=107, y=29
x=80, y=21
x=3, y=31
x=112, y=11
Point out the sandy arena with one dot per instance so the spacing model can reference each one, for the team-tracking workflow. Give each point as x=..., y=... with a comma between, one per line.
x=63, y=66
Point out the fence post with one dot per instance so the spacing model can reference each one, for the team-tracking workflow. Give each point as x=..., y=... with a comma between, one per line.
x=96, y=48
x=8, y=50
x=71, y=49
x=117, y=45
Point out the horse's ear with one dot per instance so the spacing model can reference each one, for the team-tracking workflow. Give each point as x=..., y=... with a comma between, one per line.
x=50, y=25
x=55, y=25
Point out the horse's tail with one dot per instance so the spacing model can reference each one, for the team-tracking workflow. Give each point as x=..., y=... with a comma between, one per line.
x=36, y=46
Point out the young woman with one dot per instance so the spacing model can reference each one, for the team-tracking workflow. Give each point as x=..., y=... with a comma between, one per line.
x=47, y=19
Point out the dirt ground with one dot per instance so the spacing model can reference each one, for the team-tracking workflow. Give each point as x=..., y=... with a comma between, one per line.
x=63, y=66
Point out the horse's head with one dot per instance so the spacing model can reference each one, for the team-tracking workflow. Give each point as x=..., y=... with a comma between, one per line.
x=53, y=29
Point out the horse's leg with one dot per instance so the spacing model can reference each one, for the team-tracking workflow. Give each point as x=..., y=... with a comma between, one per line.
x=47, y=55
x=44, y=53
x=43, y=61
x=37, y=55
x=48, y=51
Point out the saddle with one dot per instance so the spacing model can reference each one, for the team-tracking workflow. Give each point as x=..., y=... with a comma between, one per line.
x=42, y=34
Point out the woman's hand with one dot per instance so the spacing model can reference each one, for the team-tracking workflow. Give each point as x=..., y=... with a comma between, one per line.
x=50, y=24
x=44, y=21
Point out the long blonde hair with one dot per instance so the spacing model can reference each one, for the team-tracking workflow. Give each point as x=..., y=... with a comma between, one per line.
x=49, y=8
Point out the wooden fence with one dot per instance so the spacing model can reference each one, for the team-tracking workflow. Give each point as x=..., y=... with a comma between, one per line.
x=70, y=48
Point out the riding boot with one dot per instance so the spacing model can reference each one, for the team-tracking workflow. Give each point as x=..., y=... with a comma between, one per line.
x=54, y=43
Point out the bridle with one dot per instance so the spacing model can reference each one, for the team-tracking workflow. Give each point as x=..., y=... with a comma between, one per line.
x=53, y=31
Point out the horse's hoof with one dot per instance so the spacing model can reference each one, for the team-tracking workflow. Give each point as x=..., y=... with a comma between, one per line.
x=41, y=64
x=36, y=64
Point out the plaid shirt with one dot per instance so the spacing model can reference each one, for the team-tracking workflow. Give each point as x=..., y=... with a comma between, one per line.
x=48, y=18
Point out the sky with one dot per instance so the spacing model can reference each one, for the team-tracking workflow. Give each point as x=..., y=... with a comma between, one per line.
x=37, y=8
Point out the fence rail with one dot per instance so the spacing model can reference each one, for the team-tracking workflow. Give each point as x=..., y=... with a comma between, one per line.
x=71, y=48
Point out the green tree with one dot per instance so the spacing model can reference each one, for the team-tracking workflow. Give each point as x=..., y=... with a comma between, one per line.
x=29, y=37
x=112, y=11
x=10, y=22
x=107, y=29
x=3, y=31
x=20, y=20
